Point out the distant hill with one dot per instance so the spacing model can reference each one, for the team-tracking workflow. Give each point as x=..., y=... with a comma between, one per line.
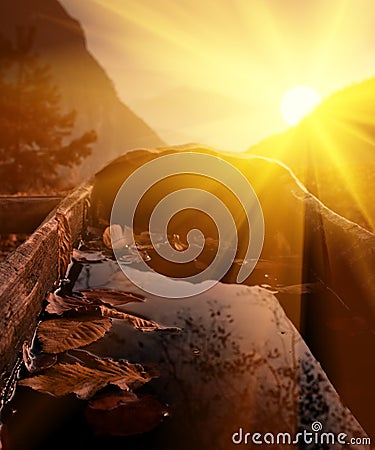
x=333, y=151
x=341, y=129
x=83, y=83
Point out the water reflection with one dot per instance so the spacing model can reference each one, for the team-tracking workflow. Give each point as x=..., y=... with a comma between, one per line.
x=238, y=362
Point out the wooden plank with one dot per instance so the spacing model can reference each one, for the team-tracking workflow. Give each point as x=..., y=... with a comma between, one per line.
x=342, y=254
x=27, y=274
x=25, y=214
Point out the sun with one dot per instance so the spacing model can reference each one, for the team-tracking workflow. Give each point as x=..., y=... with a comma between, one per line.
x=298, y=102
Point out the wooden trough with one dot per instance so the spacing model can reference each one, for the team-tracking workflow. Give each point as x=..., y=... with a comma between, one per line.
x=298, y=227
x=28, y=273
x=25, y=214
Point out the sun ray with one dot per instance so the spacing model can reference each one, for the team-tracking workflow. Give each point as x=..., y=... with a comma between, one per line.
x=328, y=147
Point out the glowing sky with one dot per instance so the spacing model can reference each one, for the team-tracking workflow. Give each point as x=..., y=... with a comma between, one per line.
x=248, y=51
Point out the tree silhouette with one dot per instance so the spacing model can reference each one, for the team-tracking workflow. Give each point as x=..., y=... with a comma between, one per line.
x=35, y=135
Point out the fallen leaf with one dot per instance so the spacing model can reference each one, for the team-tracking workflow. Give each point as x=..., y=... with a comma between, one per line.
x=103, y=299
x=88, y=256
x=110, y=297
x=112, y=312
x=142, y=324
x=177, y=244
x=59, y=335
x=124, y=414
x=90, y=300
x=115, y=237
x=63, y=379
x=58, y=305
x=134, y=321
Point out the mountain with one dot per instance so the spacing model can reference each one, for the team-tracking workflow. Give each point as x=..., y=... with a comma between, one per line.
x=340, y=130
x=333, y=151
x=83, y=83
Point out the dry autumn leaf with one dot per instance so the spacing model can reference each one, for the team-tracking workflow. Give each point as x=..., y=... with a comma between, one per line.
x=102, y=300
x=88, y=256
x=59, y=335
x=134, y=321
x=178, y=244
x=142, y=324
x=110, y=297
x=58, y=305
x=63, y=379
x=90, y=300
x=115, y=237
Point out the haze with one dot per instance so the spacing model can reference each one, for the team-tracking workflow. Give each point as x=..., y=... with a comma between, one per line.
x=215, y=71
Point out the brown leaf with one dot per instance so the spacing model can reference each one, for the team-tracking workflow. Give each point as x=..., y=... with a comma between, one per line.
x=115, y=237
x=90, y=300
x=113, y=298
x=63, y=379
x=124, y=414
x=142, y=324
x=134, y=321
x=59, y=305
x=88, y=256
x=177, y=244
x=59, y=335
x=112, y=312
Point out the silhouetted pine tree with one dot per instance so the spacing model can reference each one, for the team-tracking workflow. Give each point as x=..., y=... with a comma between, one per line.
x=35, y=135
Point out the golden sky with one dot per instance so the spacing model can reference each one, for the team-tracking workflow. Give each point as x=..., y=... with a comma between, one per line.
x=247, y=53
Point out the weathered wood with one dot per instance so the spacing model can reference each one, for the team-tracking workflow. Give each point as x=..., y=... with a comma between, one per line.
x=342, y=254
x=25, y=214
x=31, y=271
